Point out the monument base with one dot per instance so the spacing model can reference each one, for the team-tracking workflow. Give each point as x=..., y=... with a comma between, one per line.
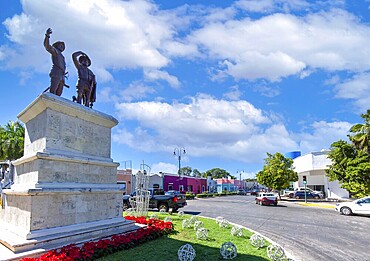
x=65, y=186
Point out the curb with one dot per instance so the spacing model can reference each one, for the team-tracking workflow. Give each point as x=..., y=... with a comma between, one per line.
x=287, y=254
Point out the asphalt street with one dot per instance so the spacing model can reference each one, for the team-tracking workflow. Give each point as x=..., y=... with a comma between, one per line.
x=308, y=233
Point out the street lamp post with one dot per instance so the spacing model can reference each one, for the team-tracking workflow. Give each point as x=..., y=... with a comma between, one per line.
x=240, y=177
x=178, y=152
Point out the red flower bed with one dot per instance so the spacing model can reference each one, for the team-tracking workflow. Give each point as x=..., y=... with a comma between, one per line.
x=92, y=250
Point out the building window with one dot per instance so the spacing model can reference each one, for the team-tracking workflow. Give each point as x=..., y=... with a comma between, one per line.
x=190, y=188
x=170, y=186
x=156, y=186
x=203, y=188
x=181, y=187
x=122, y=185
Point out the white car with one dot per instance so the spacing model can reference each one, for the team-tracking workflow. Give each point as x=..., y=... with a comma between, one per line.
x=360, y=206
x=265, y=198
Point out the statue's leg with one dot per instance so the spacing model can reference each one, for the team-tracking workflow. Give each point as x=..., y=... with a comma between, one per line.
x=79, y=94
x=60, y=88
x=54, y=81
x=87, y=95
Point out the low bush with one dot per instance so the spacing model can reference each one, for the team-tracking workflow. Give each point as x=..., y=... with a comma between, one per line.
x=189, y=195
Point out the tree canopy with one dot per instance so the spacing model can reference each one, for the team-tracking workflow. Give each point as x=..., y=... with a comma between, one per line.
x=217, y=173
x=11, y=140
x=186, y=171
x=351, y=161
x=360, y=137
x=277, y=172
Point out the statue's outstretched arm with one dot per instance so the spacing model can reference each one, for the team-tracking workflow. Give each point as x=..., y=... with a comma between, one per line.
x=47, y=45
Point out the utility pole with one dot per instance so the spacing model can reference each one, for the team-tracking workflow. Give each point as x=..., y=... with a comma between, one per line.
x=178, y=152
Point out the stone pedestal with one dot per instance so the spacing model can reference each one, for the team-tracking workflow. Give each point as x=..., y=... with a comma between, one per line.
x=65, y=189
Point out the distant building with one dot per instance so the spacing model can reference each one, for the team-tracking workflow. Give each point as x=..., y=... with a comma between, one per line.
x=313, y=165
x=124, y=180
x=229, y=184
x=211, y=185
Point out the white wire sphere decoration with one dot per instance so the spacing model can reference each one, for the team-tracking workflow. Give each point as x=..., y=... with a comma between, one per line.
x=154, y=216
x=162, y=211
x=236, y=231
x=257, y=241
x=276, y=253
x=228, y=250
x=224, y=223
x=181, y=213
x=198, y=224
x=193, y=219
x=186, y=223
x=202, y=233
x=168, y=219
x=186, y=253
x=219, y=219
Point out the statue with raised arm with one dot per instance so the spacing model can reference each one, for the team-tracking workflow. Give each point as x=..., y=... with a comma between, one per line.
x=86, y=83
x=58, y=70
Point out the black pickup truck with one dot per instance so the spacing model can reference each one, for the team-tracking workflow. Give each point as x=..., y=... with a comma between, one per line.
x=160, y=200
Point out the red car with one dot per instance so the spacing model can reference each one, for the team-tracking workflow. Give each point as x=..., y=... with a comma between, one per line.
x=265, y=198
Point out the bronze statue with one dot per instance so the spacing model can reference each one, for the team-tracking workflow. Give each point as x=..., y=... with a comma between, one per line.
x=58, y=71
x=86, y=84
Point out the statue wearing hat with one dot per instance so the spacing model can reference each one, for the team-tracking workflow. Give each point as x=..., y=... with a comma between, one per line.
x=86, y=84
x=58, y=70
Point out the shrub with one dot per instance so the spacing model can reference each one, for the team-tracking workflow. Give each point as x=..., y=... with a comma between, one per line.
x=189, y=195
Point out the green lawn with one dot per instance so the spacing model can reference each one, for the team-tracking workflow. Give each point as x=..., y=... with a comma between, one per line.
x=165, y=248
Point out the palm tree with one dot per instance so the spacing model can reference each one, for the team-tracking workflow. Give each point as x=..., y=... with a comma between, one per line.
x=11, y=141
x=361, y=137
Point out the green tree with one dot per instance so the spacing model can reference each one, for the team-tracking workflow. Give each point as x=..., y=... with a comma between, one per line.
x=361, y=134
x=351, y=167
x=277, y=172
x=196, y=173
x=186, y=171
x=11, y=141
x=217, y=173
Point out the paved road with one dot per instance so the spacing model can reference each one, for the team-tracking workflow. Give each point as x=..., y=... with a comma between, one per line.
x=308, y=233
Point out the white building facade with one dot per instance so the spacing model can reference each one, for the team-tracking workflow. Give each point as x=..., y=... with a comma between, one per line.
x=313, y=166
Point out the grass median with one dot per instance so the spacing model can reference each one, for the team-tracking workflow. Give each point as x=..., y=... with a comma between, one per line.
x=165, y=248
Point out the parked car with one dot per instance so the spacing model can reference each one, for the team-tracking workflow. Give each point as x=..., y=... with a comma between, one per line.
x=173, y=192
x=167, y=201
x=288, y=191
x=264, y=198
x=254, y=192
x=360, y=206
x=291, y=194
x=300, y=194
x=241, y=192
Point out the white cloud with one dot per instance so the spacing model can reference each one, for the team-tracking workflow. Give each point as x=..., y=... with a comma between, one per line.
x=115, y=34
x=279, y=45
x=206, y=126
x=155, y=75
x=234, y=94
x=135, y=91
x=267, y=91
x=137, y=34
x=320, y=135
x=164, y=167
x=356, y=89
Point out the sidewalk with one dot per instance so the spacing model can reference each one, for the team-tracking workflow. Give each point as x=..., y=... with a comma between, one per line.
x=311, y=203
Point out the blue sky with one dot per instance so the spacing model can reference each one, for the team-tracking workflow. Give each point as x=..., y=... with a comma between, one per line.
x=226, y=80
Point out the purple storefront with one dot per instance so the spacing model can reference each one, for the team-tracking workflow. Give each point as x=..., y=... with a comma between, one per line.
x=174, y=182
x=184, y=183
